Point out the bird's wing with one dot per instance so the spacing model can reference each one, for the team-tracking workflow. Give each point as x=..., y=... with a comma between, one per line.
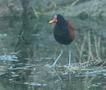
x=71, y=30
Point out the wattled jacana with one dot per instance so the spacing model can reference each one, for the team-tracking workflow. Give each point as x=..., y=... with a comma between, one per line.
x=63, y=30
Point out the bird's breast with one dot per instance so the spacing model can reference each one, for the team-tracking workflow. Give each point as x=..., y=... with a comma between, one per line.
x=62, y=35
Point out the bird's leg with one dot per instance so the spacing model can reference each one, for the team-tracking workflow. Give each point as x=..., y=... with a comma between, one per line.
x=69, y=64
x=57, y=58
x=69, y=59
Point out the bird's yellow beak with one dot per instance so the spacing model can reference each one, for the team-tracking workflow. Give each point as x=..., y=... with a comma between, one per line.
x=53, y=21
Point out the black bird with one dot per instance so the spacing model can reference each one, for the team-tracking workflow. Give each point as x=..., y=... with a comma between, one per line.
x=63, y=30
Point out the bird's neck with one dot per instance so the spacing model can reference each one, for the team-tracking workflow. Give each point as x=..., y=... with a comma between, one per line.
x=61, y=24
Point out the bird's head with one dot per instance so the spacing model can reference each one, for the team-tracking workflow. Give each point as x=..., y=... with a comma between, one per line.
x=57, y=19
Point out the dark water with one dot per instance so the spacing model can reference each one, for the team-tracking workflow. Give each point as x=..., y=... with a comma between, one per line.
x=89, y=81
x=37, y=73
